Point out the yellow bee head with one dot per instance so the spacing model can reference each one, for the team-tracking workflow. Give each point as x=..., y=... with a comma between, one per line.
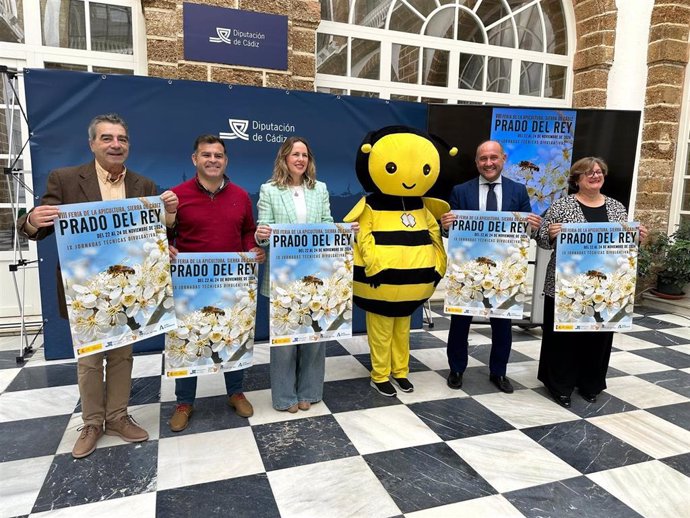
x=400, y=161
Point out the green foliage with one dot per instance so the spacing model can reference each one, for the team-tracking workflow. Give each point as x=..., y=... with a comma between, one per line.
x=667, y=257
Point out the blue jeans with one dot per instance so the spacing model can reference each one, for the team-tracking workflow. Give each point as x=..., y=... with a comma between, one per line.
x=185, y=388
x=297, y=374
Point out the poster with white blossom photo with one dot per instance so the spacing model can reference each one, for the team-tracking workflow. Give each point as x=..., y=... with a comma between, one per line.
x=311, y=282
x=215, y=302
x=596, y=273
x=115, y=272
x=487, y=264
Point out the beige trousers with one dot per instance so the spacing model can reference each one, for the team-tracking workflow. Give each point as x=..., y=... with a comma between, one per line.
x=105, y=401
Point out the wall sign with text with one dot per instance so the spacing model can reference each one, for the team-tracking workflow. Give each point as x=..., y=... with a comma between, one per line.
x=235, y=37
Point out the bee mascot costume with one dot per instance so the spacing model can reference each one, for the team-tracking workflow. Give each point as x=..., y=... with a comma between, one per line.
x=398, y=252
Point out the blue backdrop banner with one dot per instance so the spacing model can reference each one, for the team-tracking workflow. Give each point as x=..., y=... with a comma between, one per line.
x=165, y=117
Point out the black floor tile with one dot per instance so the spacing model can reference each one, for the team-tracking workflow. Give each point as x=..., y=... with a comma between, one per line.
x=475, y=381
x=145, y=391
x=458, y=418
x=678, y=414
x=482, y=352
x=44, y=376
x=680, y=463
x=303, y=441
x=658, y=337
x=31, y=437
x=673, y=380
x=665, y=356
x=333, y=348
x=107, y=473
x=604, y=405
x=354, y=394
x=246, y=497
x=425, y=341
x=257, y=377
x=427, y=476
x=576, y=497
x=415, y=365
x=210, y=414
x=585, y=447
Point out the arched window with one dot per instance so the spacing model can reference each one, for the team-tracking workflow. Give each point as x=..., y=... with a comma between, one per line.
x=456, y=51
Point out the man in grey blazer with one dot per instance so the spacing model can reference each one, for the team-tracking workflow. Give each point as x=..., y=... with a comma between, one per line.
x=104, y=178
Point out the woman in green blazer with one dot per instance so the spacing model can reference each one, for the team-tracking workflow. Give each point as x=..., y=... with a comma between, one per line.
x=293, y=196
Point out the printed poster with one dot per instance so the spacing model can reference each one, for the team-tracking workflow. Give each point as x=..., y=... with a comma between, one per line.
x=215, y=302
x=596, y=271
x=115, y=271
x=487, y=264
x=311, y=282
x=539, y=145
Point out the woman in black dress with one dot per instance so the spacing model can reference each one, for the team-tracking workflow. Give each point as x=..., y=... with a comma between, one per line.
x=568, y=359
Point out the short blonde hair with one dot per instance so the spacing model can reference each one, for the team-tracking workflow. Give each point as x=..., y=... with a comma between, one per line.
x=281, y=174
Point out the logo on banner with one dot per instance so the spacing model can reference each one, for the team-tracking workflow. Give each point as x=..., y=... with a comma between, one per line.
x=223, y=36
x=238, y=129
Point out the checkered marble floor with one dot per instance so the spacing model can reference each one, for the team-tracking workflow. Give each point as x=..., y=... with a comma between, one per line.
x=435, y=452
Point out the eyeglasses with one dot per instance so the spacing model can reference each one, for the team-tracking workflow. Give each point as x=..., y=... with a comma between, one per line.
x=590, y=174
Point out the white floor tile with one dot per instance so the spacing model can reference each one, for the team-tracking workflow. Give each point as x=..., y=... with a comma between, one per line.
x=441, y=333
x=525, y=408
x=6, y=377
x=344, y=367
x=27, y=404
x=147, y=365
x=685, y=348
x=530, y=348
x=148, y=417
x=387, y=428
x=435, y=359
x=680, y=332
x=328, y=491
x=646, y=432
x=206, y=457
x=207, y=385
x=428, y=386
x=265, y=413
x=630, y=343
x=356, y=345
x=634, y=364
x=525, y=373
x=485, y=507
x=141, y=506
x=20, y=483
x=641, y=393
x=511, y=460
x=667, y=497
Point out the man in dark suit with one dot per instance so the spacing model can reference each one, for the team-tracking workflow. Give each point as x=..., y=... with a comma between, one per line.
x=104, y=178
x=489, y=191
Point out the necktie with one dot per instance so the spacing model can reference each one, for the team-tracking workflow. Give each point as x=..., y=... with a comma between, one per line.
x=491, y=202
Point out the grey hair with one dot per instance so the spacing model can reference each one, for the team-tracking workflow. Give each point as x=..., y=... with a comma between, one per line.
x=112, y=118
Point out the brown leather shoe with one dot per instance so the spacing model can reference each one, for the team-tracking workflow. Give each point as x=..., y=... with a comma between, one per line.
x=304, y=405
x=86, y=443
x=127, y=429
x=243, y=408
x=180, y=419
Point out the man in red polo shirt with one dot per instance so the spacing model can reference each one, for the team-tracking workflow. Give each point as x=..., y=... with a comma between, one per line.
x=213, y=215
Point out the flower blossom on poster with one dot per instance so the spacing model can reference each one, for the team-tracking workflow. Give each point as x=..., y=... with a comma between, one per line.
x=313, y=304
x=485, y=283
x=122, y=298
x=212, y=335
x=595, y=297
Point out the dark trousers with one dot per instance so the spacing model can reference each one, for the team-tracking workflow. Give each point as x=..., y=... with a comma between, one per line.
x=568, y=360
x=501, y=341
x=185, y=388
